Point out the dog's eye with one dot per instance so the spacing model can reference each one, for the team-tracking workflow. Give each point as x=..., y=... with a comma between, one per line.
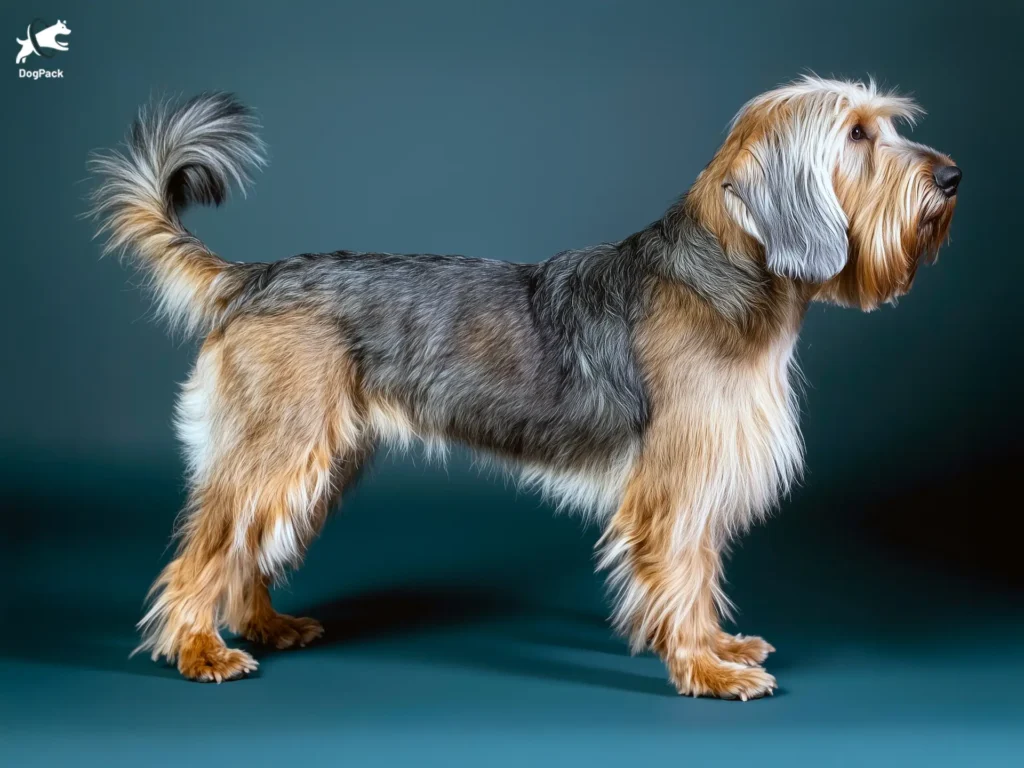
x=857, y=133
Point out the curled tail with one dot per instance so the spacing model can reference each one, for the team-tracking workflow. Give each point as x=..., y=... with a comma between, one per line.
x=176, y=155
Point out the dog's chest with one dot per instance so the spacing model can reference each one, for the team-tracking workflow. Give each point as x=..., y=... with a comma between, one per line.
x=730, y=425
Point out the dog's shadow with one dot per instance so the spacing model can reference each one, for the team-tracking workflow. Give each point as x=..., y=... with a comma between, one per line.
x=479, y=630
x=448, y=625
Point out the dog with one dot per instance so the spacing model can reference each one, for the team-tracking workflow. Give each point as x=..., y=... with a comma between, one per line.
x=648, y=382
x=46, y=38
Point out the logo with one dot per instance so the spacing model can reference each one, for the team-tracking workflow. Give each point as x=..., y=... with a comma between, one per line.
x=41, y=41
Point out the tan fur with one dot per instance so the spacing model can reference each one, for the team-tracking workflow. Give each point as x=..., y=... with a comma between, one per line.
x=284, y=433
x=884, y=250
x=706, y=194
x=259, y=622
x=193, y=285
x=724, y=440
x=710, y=466
x=276, y=422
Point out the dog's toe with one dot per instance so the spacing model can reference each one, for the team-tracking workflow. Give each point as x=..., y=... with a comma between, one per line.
x=207, y=660
x=739, y=649
x=283, y=631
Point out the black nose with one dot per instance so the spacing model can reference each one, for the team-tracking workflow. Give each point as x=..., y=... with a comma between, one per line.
x=947, y=177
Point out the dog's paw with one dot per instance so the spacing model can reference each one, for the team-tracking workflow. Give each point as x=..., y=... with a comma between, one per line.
x=738, y=649
x=283, y=631
x=206, y=659
x=703, y=674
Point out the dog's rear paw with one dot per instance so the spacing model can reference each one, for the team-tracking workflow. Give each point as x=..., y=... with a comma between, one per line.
x=206, y=659
x=283, y=631
x=703, y=674
x=738, y=649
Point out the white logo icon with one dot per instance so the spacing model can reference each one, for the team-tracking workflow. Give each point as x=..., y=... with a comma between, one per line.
x=39, y=40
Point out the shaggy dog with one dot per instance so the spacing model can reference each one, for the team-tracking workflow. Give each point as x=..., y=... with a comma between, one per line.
x=648, y=382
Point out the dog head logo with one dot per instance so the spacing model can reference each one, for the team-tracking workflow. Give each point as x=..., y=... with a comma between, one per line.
x=41, y=40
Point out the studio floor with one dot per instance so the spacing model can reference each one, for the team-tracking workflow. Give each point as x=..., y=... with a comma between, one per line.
x=464, y=627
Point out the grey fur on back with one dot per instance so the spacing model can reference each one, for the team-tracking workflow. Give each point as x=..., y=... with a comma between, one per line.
x=536, y=362
x=532, y=361
x=506, y=357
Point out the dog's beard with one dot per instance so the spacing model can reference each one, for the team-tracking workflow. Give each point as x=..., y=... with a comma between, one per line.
x=896, y=222
x=933, y=230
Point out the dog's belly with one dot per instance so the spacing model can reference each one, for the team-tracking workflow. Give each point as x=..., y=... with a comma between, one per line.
x=592, y=484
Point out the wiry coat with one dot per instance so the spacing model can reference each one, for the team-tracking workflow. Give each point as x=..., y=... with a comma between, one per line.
x=651, y=378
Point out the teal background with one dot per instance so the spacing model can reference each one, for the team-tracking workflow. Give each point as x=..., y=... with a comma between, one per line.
x=464, y=624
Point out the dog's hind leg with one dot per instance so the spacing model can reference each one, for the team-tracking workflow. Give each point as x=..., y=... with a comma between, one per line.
x=251, y=613
x=254, y=618
x=269, y=418
x=182, y=624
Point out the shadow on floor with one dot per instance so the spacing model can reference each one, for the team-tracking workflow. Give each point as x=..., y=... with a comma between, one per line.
x=484, y=630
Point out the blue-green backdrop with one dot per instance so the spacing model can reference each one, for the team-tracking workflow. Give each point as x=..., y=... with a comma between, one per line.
x=464, y=623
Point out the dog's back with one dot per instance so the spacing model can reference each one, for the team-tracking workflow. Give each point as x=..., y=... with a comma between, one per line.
x=531, y=362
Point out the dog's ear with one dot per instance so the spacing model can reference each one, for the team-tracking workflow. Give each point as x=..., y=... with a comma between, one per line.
x=782, y=195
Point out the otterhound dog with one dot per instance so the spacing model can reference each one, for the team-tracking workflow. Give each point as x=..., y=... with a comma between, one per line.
x=648, y=382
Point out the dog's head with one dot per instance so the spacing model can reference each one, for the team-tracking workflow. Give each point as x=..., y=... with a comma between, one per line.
x=52, y=32
x=815, y=178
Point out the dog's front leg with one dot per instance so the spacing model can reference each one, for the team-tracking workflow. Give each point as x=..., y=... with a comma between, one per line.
x=666, y=561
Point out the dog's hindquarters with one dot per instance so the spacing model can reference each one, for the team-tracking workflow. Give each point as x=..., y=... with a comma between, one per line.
x=271, y=424
x=268, y=435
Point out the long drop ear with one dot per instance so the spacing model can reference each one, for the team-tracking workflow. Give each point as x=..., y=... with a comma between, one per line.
x=782, y=195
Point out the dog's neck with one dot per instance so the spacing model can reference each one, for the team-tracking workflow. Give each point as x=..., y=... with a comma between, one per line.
x=728, y=276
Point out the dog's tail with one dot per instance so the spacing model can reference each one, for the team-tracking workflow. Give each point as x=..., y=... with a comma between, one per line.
x=176, y=155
